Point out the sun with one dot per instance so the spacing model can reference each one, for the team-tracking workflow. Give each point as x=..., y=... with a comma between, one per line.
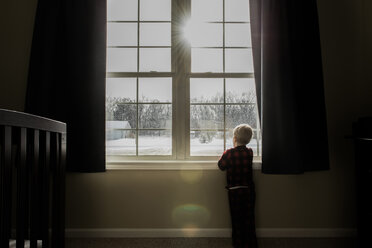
x=192, y=31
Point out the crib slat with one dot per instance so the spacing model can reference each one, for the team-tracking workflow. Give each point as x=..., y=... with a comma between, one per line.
x=55, y=161
x=58, y=207
x=2, y=138
x=45, y=190
x=55, y=204
x=22, y=180
x=1, y=183
x=34, y=192
x=6, y=181
x=62, y=189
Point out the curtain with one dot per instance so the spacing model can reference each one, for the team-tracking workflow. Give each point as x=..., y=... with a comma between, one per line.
x=289, y=84
x=67, y=72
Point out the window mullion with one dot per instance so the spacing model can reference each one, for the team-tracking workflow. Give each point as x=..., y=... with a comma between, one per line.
x=174, y=80
x=224, y=80
x=182, y=64
x=137, y=79
x=187, y=72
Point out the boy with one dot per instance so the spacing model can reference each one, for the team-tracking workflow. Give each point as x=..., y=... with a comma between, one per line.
x=237, y=162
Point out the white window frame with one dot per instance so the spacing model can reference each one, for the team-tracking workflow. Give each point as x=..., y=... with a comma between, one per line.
x=180, y=74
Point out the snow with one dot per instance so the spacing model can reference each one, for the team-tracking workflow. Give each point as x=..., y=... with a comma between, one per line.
x=148, y=145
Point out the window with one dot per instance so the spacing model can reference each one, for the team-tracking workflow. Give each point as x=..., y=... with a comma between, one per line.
x=179, y=78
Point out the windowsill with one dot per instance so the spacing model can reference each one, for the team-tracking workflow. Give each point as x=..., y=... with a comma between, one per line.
x=169, y=165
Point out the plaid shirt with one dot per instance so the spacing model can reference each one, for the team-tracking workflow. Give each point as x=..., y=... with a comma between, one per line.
x=237, y=162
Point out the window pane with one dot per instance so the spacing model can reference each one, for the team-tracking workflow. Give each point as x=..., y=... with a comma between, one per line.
x=206, y=10
x=229, y=139
x=238, y=35
x=155, y=59
x=254, y=144
x=155, y=10
x=119, y=10
x=239, y=60
x=121, y=89
x=155, y=90
x=120, y=142
x=206, y=116
x=239, y=114
x=240, y=90
x=205, y=34
x=121, y=34
x=121, y=59
x=155, y=115
x=237, y=10
x=155, y=34
x=206, y=90
x=154, y=142
x=206, y=143
x=206, y=60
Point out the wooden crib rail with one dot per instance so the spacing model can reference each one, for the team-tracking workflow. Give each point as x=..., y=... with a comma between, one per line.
x=20, y=119
x=32, y=180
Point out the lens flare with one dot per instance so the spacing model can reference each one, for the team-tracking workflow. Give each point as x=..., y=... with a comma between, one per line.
x=190, y=217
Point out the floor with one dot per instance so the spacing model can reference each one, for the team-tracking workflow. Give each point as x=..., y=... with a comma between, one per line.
x=208, y=242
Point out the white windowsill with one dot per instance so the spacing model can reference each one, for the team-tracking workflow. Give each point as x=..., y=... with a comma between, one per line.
x=169, y=165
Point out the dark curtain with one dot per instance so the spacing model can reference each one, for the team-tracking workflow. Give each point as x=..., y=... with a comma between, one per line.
x=289, y=84
x=67, y=76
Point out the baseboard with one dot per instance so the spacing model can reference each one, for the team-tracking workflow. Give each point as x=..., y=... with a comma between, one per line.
x=306, y=232
x=207, y=232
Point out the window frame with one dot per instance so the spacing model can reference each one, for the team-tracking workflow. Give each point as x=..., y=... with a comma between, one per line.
x=180, y=74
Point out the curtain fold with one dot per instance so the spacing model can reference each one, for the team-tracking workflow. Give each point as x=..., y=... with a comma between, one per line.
x=289, y=84
x=67, y=73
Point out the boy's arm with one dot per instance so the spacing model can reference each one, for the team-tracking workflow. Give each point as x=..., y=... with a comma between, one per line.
x=223, y=163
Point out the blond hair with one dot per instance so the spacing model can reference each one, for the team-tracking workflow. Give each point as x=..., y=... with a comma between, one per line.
x=243, y=133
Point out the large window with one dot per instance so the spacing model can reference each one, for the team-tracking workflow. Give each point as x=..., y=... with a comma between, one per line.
x=179, y=78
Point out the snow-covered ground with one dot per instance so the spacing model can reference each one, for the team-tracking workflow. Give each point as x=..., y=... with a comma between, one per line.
x=150, y=145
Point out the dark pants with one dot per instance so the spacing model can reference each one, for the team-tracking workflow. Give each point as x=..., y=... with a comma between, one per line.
x=242, y=203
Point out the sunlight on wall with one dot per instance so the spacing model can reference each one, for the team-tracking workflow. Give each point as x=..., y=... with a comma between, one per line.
x=193, y=176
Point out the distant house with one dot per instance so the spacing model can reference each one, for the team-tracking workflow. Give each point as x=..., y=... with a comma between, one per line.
x=117, y=130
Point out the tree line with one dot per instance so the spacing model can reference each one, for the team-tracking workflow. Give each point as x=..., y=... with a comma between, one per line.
x=201, y=116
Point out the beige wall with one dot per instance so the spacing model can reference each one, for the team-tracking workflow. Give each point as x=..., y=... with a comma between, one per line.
x=16, y=23
x=171, y=199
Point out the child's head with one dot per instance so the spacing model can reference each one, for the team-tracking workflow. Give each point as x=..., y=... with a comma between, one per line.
x=242, y=134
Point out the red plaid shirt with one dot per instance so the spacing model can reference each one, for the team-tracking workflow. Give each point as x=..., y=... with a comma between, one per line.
x=237, y=162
